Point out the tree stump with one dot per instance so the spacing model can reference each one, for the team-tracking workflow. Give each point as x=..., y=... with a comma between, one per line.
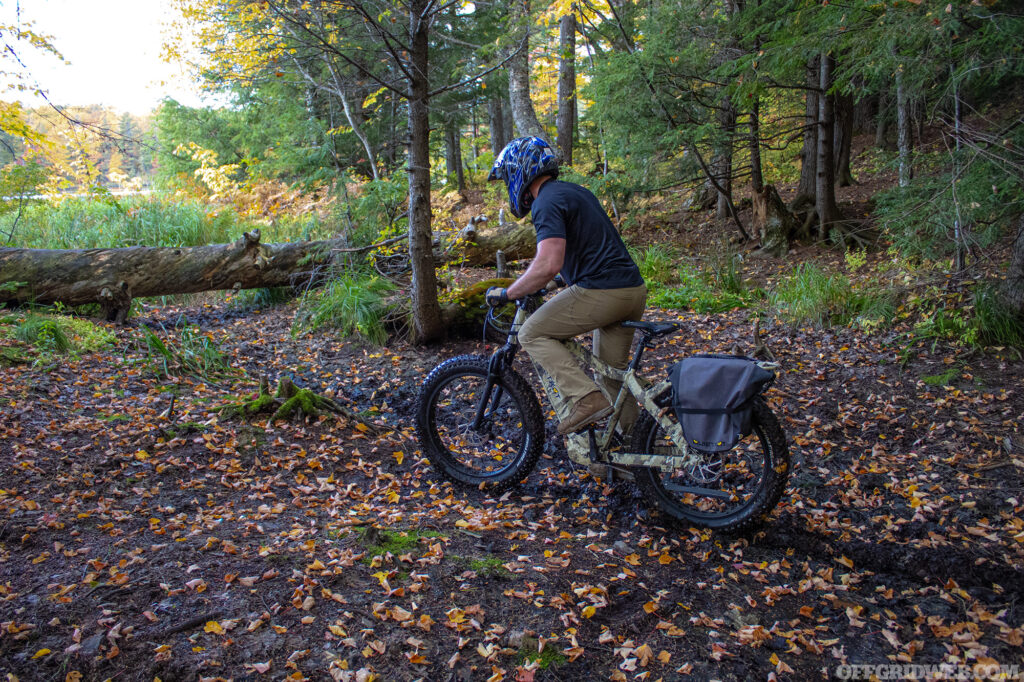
x=773, y=223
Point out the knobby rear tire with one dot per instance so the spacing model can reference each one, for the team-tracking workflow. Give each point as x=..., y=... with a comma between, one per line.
x=495, y=459
x=766, y=444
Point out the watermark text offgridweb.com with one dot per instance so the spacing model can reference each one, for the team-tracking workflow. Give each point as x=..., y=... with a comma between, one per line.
x=917, y=671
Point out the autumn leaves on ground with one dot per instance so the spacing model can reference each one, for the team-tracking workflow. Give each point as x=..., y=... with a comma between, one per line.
x=144, y=536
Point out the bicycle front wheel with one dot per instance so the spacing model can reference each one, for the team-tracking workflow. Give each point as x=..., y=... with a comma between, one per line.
x=731, y=490
x=477, y=436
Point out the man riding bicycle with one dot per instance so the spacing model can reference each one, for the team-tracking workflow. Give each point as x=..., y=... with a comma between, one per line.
x=575, y=238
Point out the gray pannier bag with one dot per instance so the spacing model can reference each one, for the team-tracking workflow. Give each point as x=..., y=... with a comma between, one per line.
x=713, y=398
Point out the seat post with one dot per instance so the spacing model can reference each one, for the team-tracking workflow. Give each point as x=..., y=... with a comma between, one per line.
x=641, y=346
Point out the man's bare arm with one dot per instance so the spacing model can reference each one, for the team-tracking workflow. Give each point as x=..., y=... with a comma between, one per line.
x=544, y=266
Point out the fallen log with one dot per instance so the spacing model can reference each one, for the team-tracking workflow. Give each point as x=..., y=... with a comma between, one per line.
x=113, y=277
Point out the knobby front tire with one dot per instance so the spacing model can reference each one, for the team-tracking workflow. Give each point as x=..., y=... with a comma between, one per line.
x=505, y=448
x=729, y=491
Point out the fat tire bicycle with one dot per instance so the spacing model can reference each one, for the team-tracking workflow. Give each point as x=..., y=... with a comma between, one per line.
x=480, y=424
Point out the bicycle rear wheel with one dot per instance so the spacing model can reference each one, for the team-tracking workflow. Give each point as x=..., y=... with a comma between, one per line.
x=503, y=448
x=731, y=490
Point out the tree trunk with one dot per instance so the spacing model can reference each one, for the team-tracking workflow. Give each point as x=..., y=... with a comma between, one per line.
x=496, y=121
x=882, y=120
x=756, y=176
x=773, y=223
x=426, y=312
x=722, y=162
x=453, y=154
x=903, y=128
x=1012, y=290
x=113, y=277
x=863, y=109
x=566, y=119
x=809, y=152
x=828, y=212
x=844, y=140
x=519, y=72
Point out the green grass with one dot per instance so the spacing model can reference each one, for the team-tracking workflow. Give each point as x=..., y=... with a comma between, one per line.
x=353, y=303
x=704, y=291
x=809, y=296
x=983, y=322
x=108, y=222
x=657, y=264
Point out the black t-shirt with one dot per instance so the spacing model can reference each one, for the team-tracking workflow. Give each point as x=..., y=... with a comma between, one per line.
x=595, y=257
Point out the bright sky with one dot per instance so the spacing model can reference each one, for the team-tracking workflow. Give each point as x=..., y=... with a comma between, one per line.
x=114, y=48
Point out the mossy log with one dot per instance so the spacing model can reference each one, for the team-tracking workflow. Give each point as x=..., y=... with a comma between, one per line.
x=289, y=402
x=464, y=314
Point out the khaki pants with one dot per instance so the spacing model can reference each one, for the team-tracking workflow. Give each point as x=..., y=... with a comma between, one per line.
x=575, y=311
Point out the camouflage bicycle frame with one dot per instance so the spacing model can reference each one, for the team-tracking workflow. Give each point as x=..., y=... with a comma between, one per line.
x=642, y=389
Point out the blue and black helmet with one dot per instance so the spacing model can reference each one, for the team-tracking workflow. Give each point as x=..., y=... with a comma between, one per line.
x=522, y=161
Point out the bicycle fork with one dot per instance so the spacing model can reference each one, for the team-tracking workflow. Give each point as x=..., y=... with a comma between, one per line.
x=491, y=388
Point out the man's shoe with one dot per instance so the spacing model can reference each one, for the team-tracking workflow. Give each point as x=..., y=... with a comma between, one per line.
x=587, y=410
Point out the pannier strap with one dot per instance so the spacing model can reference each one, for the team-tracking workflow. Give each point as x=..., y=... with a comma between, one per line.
x=728, y=410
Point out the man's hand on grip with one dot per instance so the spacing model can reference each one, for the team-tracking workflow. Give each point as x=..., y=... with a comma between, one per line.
x=496, y=296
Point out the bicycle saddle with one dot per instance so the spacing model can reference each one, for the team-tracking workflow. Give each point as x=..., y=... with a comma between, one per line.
x=652, y=328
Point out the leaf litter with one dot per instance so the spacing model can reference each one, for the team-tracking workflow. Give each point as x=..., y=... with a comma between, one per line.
x=142, y=536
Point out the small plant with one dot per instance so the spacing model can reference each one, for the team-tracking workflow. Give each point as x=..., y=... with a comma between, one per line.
x=11, y=287
x=548, y=658
x=353, y=303
x=190, y=352
x=856, y=259
x=49, y=335
x=727, y=274
x=943, y=379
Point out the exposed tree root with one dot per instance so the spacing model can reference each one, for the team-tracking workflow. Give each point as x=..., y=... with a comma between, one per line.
x=289, y=402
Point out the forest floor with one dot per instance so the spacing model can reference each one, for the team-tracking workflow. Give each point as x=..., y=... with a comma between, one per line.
x=142, y=536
